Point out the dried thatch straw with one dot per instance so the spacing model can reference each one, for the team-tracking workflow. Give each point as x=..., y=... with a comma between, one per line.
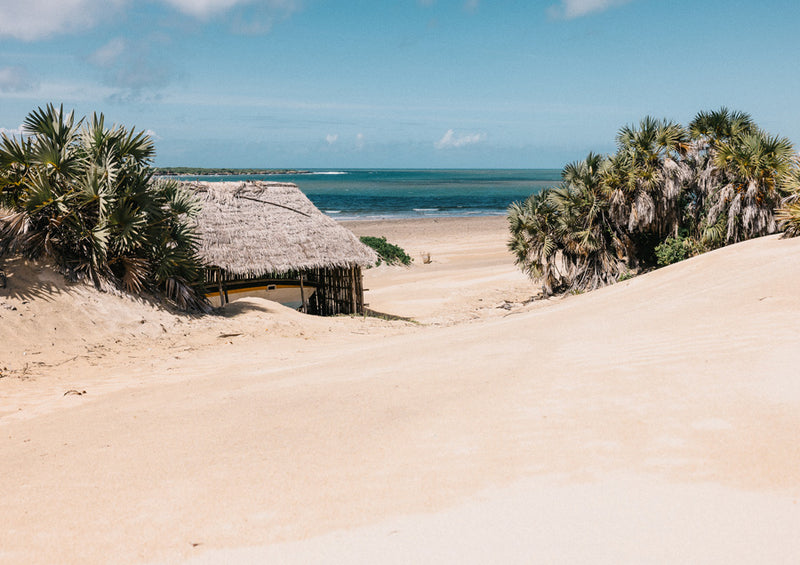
x=255, y=228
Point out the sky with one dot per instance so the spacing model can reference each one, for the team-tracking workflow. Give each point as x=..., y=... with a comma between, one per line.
x=397, y=83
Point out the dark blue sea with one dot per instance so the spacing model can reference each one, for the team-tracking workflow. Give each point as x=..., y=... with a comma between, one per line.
x=361, y=194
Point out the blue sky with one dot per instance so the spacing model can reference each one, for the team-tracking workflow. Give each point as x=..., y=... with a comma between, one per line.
x=397, y=83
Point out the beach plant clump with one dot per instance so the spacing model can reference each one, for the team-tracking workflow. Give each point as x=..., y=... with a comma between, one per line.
x=565, y=236
x=675, y=249
x=668, y=193
x=83, y=195
x=788, y=215
x=388, y=253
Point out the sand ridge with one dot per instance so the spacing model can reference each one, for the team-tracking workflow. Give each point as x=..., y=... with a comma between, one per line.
x=651, y=421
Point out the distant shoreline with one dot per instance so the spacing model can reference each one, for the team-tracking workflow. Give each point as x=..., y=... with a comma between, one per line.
x=211, y=172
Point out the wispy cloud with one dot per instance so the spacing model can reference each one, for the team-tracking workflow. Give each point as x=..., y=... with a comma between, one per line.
x=450, y=139
x=16, y=79
x=360, y=141
x=203, y=8
x=570, y=9
x=109, y=54
x=74, y=90
x=332, y=138
x=12, y=132
x=132, y=66
x=471, y=5
x=259, y=17
x=39, y=19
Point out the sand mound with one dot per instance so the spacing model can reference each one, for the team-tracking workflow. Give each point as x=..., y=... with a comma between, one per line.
x=652, y=421
x=46, y=319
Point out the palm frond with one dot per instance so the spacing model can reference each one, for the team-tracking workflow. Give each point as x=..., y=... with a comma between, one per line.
x=83, y=194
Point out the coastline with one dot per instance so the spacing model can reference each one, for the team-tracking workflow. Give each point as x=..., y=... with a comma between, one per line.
x=374, y=194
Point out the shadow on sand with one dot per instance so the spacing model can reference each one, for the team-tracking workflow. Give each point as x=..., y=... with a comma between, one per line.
x=38, y=280
x=29, y=280
x=245, y=306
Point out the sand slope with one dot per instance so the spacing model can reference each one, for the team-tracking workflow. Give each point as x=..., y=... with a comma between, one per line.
x=652, y=421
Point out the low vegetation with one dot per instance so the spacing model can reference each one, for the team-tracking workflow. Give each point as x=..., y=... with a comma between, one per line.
x=788, y=215
x=387, y=252
x=83, y=195
x=668, y=193
x=674, y=249
x=200, y=171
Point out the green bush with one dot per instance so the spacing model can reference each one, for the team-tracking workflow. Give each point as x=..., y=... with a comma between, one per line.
x=627, y=275
x=388, y=252
x=674, y=249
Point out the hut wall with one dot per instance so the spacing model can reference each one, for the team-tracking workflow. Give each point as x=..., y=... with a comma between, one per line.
x=339, y=290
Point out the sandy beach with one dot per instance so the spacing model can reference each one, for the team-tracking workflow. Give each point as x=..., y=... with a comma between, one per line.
x=653, y=421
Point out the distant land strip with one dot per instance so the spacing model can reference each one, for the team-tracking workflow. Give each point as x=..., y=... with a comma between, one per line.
x=181, y=171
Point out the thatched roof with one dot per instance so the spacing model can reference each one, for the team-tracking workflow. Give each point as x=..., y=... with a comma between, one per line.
x=255, y=228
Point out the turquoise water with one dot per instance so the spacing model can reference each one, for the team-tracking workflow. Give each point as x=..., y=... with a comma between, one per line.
x=385, y=194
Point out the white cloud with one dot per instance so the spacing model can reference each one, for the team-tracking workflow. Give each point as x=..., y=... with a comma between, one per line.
x=35, y=19
x=331, y=138
x=261, y=16
x=449, y=139
x=16, y=79
x=570, y=9
x=204, y=8
x=266, y=10
x=359, y=141
x=38, y=19
x=471, y=5
x=133, y=65
x=152, y=135
x=11, y=132
x=108, y=55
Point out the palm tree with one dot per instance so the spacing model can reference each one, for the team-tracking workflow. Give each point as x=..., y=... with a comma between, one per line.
x=83, y=194
x=752, y=167
x=564, y=235
x=645, y=180
x=592, y=245
x=714, y=127
x=708, y=131
x=533, y=240
x=738, y=170
x=788, y=215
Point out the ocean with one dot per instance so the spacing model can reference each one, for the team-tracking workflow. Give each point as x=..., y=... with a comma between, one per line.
x=364, y=194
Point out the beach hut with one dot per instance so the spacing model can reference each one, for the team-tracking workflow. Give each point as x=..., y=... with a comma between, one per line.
x=268, y=239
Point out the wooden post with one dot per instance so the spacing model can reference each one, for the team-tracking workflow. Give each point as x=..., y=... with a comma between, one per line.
x=359, y=290
x=302, y=295
x=353, y=307
x=222, y=294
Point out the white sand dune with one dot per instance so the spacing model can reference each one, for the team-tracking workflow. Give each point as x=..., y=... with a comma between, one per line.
x=654, y=421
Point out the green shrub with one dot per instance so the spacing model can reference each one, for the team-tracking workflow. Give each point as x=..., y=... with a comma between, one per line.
x=674, y=249
x=388, y=252
x=627, y=275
